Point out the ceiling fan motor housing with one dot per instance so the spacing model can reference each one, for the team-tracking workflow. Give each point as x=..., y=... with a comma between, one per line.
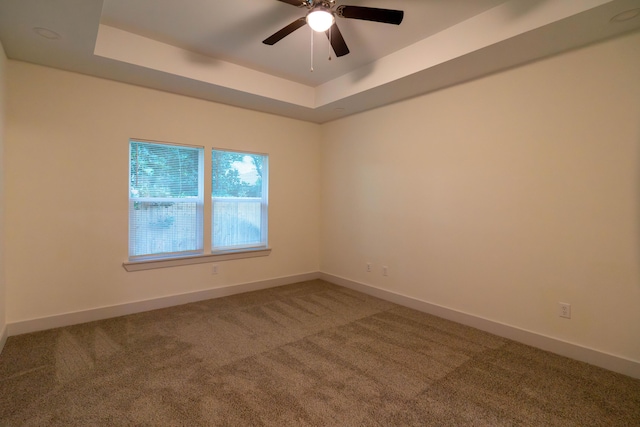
x=312, y=4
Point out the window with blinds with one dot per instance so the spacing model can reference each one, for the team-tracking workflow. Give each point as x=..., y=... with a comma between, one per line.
x=165, y=200
x=239, y=202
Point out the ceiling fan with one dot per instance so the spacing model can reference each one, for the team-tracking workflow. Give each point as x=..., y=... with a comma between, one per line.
x=321, y=18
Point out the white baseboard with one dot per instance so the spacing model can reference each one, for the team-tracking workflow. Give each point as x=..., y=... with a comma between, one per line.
x=554, y=345
x=3, y=338
x=67, y=319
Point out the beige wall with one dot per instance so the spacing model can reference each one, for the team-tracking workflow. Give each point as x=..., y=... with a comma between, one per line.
x=501, y=197
x=498, y=197
x=3, y=304
x=67, y=166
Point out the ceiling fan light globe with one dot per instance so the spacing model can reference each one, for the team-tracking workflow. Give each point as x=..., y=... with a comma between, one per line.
x=320, y=20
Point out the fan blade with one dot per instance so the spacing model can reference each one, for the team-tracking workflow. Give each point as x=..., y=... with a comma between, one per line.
x=387, y=16
x=337, y=41
x=300, y=22
x=294, y=2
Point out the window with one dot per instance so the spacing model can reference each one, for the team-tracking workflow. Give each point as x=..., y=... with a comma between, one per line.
x=165, y=200
x=239, y=183
x=167, y=205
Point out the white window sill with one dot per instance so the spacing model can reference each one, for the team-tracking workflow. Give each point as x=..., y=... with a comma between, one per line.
x=195, y=259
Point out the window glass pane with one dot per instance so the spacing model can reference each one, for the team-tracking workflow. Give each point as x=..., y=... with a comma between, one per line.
x=165, y=200
x=160, y=170
x=238, y=200
x=163, y=228
x=236, y=223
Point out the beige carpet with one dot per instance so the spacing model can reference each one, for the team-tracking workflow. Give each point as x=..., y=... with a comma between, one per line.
x=309, y=354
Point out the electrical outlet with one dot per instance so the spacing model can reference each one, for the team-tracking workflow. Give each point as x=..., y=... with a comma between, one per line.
x=214, y=269
x=565, y=310
x=385, y=270
x=369, y=267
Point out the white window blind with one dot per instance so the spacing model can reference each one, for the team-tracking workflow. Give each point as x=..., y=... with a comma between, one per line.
x=239, y=200
x=165, y=200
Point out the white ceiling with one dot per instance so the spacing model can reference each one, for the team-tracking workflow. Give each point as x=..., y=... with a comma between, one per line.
x=212, y=49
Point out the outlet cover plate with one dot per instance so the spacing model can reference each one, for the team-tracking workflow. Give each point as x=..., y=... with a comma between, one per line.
x=564, y=310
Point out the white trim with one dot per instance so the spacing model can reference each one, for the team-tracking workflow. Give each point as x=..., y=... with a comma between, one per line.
x=3, y=337
x=153, y=141
x=194, y=259
x=574, y=351
x=74, y=318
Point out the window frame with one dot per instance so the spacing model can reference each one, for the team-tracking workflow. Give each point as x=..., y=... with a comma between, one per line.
x=264, y=207
x=140, y=263
x=199, y=202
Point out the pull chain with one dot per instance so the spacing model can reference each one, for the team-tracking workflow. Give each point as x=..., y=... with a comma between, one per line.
x=311, y=49
x=330, y=45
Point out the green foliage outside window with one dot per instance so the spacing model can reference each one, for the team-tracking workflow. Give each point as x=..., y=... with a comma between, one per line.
x=226, y=177
x=159, y=170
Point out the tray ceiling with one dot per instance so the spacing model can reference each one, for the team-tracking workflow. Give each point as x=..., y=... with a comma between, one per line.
x=211, y=49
